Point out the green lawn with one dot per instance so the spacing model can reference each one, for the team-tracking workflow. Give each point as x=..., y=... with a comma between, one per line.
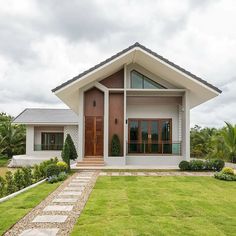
x=14, y=209
x=3, y=161
x=159, y=206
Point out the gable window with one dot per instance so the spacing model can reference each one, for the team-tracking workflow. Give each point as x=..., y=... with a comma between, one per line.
x=140, y=81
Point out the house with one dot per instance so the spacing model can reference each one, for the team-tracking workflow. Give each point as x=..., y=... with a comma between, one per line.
x=138, y=95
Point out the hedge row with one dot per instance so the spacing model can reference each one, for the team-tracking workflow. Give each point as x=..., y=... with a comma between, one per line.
x=26, y=176
x=199, y=165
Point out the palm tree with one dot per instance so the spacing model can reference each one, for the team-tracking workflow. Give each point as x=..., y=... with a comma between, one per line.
x=229, y=135
x=13, y=138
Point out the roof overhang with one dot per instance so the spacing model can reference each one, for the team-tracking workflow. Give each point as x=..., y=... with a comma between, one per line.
x=200, y=91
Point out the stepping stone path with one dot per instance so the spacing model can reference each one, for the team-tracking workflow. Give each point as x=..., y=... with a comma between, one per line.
x=58, y=213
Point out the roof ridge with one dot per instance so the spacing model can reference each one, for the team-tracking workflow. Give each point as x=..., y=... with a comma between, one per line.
x=137, y=44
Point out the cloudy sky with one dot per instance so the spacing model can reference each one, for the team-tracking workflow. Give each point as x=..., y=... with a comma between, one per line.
x=44, y=43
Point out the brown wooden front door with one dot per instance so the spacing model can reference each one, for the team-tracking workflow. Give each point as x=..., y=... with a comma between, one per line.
x=93, y=136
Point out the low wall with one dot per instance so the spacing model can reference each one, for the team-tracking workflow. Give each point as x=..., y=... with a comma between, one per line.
x=154, y=160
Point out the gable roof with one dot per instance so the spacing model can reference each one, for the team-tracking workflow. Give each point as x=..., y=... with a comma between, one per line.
x=137, y=45
x=46, y=116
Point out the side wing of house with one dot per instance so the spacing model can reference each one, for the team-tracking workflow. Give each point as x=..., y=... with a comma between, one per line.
x=46, y=130
x=142, y=99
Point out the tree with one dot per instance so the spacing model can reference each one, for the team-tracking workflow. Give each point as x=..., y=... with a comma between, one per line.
x=201, y=143
x=12, y=138
x=69, y=151
x=115, y=145
x=229, y=136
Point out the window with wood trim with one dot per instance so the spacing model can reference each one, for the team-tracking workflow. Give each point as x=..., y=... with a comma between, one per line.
x=150, y=136
x=140, y=81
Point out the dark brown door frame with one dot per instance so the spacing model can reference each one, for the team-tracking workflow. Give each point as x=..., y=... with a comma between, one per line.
x=160, y=122
x=95, y=136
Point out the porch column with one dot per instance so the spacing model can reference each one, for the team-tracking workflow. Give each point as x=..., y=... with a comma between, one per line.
x=29, y=139
x=186, y=127
x=81, y=126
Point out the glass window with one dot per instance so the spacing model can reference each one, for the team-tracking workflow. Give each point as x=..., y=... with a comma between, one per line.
x=133, y=145
x=138, y=81
x=52, y=141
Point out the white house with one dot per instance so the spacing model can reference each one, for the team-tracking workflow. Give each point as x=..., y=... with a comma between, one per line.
x=137, y=95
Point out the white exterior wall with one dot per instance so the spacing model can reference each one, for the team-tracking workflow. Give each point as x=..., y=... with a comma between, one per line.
x=156, y=111
x=72, y=130
x=33, y=136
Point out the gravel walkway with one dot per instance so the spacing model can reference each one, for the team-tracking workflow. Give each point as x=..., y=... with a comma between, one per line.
x=58, y=213
x=157, y=173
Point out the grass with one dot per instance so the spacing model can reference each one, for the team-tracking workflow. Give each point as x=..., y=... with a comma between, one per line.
x=180, y=205
x=3, y=165
x=14, y=209
x=4, y=161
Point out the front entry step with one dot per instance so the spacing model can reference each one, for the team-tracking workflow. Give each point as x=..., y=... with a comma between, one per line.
x=91, y=161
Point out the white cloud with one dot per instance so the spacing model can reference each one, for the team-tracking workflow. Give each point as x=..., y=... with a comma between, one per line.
x=44, y=43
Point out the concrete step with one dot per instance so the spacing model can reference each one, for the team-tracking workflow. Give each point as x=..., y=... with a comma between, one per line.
x=93, y=159
x=90, y=164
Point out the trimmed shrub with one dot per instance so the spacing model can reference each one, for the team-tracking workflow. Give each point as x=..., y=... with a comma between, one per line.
x=184, y=165
x=27, y=176
x=196, y=165
x=69, y=151
x=11, y=188
x=2, y=186
x=209, y=165
x=218, y=164
x=43, y=165
x=115, y=145
x=62, y=176
x=19, y=179
x=52, y=169
x=37, y=174
x=227, y=171
x=226, y=177
x=62, y=166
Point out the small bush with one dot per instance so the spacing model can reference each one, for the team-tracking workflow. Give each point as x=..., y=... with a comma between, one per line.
x=62, y=176
x=52, y=179
x=43, y=165
x=52, y=169
x=11, y=188
x=62, y=166
x=184, y=165
x=19, y=179
x=37, y=174
x=2, y=186
x=218, y=164
x=27, y=176
x=226, y=177
x=227, y=171
x=196, y=165
x=68, y=151
x=115, y=145
x=209, y=165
